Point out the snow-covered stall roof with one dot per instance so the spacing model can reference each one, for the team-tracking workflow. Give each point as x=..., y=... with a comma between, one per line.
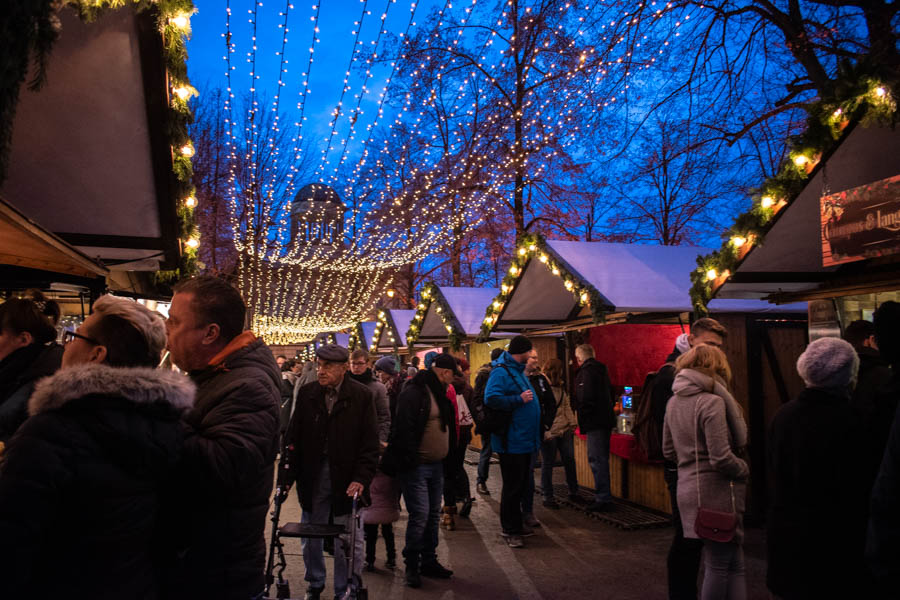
x=391, y=330
x=449, y=314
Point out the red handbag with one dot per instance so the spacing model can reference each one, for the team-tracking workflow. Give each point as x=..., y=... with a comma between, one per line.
x=709, y=524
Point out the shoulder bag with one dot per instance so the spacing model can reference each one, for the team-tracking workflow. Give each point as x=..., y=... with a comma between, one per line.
x=713, y=525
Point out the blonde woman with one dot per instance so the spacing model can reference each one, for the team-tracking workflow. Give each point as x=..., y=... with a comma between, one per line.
x=560, y=437
x=703, y=432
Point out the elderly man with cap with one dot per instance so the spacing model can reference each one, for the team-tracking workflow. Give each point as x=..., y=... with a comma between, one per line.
x=421, y=436
x=332, y=453
x=508, y=390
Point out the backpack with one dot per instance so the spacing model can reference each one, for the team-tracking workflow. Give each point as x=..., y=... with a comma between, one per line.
x=496, y=421
x=646, y=429
x=476, y=405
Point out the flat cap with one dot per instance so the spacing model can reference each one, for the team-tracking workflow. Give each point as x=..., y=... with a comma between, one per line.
x=333, y=353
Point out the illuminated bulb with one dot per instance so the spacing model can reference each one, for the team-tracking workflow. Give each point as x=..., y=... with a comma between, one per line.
x=711, y=274
x=421, y=307
x=390, y=293
x=380, y=315
x=800, y=160
x=555, y=271
x=569, y=284
x=532, y=247
x=190, y=201
x=836, y=114
x=767, y=202
x=544, y=258
x=182, y=92
x=880, y=92
x=505, y=288
x=418, y=317
x=487, y=320
x=181, y=20
x=522, y=251
x=513, y=270
x=192, y=242
x=449, y=329
x=738, y=241
x=497, y=305
x=584, y=297
x=187, y=150
x=438, y=309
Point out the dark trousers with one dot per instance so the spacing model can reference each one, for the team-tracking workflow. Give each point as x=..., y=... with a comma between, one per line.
x=387, y=532
x=515, y=470
x=456, y=480
x=683, y=562
x=484, y=460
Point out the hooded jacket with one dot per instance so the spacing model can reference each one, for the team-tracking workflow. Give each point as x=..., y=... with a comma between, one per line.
x=19, y=372
x=504, y=392
x=227, y=473
x=702, y=414
x=83, y=480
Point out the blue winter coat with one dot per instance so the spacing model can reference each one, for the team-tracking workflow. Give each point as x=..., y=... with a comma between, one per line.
x=504, y=392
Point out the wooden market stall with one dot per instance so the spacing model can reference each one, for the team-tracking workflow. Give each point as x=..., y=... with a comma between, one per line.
x=835, y=243
x=94, y=155
x=391, y=329
x=630, y=302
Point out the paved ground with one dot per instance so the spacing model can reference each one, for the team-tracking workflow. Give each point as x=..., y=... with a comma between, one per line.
x=572, y=556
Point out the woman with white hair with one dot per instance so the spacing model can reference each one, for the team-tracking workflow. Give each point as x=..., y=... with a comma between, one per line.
x=82, y=481
x=817, y=516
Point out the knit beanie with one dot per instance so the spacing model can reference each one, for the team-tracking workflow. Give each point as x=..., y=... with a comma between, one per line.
x=829, y=363
x=429, y=359
x=519, y=345
x=386, y=364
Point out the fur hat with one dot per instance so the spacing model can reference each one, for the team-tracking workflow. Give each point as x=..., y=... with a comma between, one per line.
x=829, y=363
x=519, y=345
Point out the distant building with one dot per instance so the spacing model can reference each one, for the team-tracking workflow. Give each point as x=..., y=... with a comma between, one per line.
x=317, y=216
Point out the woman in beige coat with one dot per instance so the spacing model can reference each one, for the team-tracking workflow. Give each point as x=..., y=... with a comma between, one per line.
x=703, y=432
x=560, y=437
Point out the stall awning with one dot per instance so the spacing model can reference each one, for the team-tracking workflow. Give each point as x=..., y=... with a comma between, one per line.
x=90, y=157
x=788, y=265
x=24, y=243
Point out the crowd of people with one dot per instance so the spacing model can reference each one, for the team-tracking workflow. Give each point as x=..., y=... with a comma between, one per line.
x=123, y=478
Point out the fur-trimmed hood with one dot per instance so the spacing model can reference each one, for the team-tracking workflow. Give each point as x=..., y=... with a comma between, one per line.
x=139, y=385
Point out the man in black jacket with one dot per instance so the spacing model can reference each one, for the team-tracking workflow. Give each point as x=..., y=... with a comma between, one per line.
x=230, y=445
x=421, y=437
x=683, y=562
x=596, y=419
x=332, y=452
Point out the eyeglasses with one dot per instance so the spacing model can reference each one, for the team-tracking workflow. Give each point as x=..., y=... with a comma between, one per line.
x=69, y=336
x=357, y=363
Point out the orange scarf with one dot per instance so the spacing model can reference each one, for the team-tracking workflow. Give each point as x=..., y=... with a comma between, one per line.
x=241, y=341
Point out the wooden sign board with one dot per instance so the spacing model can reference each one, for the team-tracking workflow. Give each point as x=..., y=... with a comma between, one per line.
x=862, y=222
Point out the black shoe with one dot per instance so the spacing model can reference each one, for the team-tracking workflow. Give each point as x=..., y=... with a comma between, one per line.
x=413, y=579
x=466, y=508
x=313, y=593
x=390, y=563
x=481, y=488
x=370, y=566
x=551, y=503
x=435, y=570
x=599, y=506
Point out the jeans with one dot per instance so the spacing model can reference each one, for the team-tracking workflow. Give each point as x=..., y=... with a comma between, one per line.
x=422, y=488
x=723, y=571
x=313, y=559
x=566, y=446
x=484, y=461
x=387, y=532
x=514, y=468
x=683, y=562
x=598, y=459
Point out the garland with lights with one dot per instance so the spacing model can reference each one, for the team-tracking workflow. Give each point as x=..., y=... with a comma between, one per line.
x=431, y=294
x=31, y=32
x=868, y=103
x=534, y=246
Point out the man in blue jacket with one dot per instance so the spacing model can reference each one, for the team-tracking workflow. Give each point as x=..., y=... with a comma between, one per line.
x=508, y=389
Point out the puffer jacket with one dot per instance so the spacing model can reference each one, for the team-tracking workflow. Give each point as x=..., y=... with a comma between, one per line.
x=385, y=507
x=227, y=473
x=504, y=392
x=83, y=482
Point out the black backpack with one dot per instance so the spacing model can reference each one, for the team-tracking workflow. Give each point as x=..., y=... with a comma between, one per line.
x=495, y=421
x=476, y=405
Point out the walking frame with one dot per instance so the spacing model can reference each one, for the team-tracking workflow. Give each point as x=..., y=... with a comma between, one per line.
x=355, y=588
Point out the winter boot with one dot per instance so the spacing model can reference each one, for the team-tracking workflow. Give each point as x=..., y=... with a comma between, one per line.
x=448, y=520
x=413, y=579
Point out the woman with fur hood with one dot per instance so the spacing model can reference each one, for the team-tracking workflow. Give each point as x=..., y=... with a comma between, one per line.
x=82, y=481
x=703, y=433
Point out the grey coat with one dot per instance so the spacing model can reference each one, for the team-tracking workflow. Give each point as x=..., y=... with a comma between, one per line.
x=695, y=410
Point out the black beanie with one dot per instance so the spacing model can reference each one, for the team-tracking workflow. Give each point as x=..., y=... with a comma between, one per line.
x=519, y=345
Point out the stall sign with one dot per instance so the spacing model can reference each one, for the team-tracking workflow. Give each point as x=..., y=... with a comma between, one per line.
x=862, y=222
